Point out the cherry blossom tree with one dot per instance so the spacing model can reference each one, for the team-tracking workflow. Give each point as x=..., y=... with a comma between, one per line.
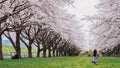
x=9, y=8
x=106, y=25
x=59, y=28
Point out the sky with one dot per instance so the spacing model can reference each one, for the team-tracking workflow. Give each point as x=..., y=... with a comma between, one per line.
x=81, y=9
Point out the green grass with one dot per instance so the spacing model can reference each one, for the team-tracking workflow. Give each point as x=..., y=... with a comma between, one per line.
x=61, y=62
x=11, y=49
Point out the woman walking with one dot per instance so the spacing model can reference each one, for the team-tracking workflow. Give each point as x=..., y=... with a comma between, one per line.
x=94, y=56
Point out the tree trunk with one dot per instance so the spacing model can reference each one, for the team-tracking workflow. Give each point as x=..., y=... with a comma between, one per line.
x=56, y=52
x=1, y=56
x=53, y=53
x=30, y=52
x=49, y=52
x=119, y=53
x=44, y=52
x=18, y=50
x=65, y=54
x=38, y=51
x=60, y=52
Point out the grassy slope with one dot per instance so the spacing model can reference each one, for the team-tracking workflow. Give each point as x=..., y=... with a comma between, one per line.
x=61, y=62
x=11, y=49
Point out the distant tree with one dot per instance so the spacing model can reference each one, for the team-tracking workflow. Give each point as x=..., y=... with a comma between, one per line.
x=28, y=37
x=106, y=25
x=38, y=44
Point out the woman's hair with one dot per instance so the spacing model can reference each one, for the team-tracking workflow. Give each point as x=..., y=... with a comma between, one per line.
x=95, y=49
x=95, y=52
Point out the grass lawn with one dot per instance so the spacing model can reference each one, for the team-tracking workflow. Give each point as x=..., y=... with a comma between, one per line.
x=61, y=62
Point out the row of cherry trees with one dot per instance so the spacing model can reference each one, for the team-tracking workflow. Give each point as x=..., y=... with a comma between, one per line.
x=36, y=23
x=112, y=52
x=106, y=27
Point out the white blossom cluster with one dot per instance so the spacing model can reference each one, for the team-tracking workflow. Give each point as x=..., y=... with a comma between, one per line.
x=106, y=25
x=49, y=13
